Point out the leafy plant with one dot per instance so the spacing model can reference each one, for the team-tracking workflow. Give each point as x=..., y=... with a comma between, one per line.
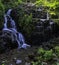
x=48, y=55
x=26, y=23
x=57, y=50
x=36, y=63
x=41, y=51
x=50, y=5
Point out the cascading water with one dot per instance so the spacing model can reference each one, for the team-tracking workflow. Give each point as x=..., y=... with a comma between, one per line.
x=12, y=28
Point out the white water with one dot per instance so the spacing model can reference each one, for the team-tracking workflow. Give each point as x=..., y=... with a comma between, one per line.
x=19, y=37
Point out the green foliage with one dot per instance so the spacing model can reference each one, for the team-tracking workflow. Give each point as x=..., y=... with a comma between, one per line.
x=57, y=63
x=48, y=55
x=57, y=50
x=2, y=6
x=52, y=6
x=44, y=57
x=36, y=63
x=2, y=11
x=25, y=23
x=3, y=64
x=41, y=51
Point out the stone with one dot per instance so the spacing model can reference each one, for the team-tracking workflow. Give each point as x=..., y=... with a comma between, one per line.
x=11, y=64
x=27, y=63
x=6, y=41
x=39, y=28
x=18, y=62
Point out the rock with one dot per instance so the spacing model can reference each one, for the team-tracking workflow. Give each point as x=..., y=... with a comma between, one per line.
x=27, y=63
x=44, y=63
x=39, y=28
x=25, y=46
x=39, y=9
x=6, y=41
x=14, y=59
x=39, y=23
x=11, y=64
x=43, y=31
x=18, y=62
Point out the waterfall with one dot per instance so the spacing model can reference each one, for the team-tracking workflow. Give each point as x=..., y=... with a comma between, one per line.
x=47, y=16
x=12, y=28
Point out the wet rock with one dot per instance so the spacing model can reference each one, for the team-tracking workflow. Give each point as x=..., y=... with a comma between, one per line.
x=39, y=28
x=25, y=46
x=37, y=38
x=17, y=61
x=6, y=41
x=44, y=31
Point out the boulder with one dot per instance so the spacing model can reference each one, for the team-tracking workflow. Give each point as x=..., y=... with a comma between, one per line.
x=6, y=41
